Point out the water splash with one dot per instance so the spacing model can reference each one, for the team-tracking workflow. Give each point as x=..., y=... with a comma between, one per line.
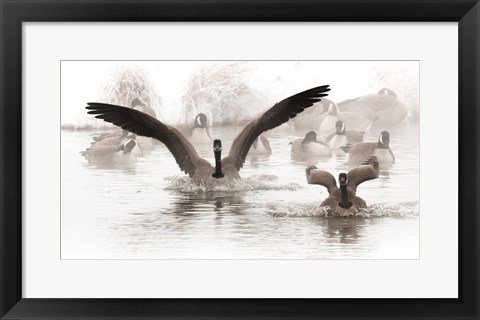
x=400, y=210
x=255, y=182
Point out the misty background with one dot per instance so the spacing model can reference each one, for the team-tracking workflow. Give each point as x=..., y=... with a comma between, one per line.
x=227, y=91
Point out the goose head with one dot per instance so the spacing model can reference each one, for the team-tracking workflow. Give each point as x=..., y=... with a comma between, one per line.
x=128, y=145
x=201, y=120
x=308, y=169
x=136, y=102
x=388, y=92
x=340, y=127
x=384, y=140
x=311, y=136
x=217, y=150
x=342, y=179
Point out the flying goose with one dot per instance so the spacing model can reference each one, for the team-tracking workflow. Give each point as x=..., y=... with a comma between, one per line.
x=342, y=137
x=343, y=199
x=359, y=152
x=309, y=148
x=199, y=169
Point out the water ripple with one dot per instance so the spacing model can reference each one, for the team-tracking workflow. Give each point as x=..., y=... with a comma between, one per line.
x=400, y=210
x=255, y=182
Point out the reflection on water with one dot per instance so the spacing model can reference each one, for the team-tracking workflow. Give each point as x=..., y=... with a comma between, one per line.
x=152, y=211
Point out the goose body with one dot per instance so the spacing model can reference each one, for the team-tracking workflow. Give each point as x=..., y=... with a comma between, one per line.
x=116, y=137
x=384, y=108
x=111, y=153
x=352, y=119
x=144, y=145
x=260, y=147
x=201, y=132
x=343, y=137
x=142, y=107
x=343, y=199
x=199, y=169
x=309, y=148
x=200, y=136
x=359, y=152
x=112, y=134
x=327, y=126
x=312, y=118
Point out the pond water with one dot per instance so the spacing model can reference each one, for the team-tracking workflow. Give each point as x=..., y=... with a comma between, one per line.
x=152, y=211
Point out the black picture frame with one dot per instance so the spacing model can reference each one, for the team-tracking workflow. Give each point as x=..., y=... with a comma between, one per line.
x=14, y=12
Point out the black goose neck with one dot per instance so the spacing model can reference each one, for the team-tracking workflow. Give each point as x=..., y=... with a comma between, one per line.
x=344, y=203
x=382, y=146
x=218, y=165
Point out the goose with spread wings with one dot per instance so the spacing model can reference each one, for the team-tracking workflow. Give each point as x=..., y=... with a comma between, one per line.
x=199, y=169
x=344, y=199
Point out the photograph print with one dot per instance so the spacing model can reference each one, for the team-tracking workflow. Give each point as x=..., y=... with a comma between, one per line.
x=240, y=159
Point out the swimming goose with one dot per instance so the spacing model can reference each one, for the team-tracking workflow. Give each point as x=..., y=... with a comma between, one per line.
x=359, y=152
x=199, y=169
x=201, y=132
x=111, y=153
x=352, y=119
x=114, y=138
x=383, y=107
x=309, y=148
x=260, y=147
x=144, y=146
x=342, y=137
x=311, y=118
x=140, y=106
x=327, y=126
x=344, y=199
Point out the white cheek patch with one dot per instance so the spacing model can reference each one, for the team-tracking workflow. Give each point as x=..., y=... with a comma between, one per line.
x=343, y=127
x=380, y=139
x=198, y=121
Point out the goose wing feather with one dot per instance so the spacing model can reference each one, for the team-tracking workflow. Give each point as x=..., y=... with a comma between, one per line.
x=145, y=125
x=368, y=170
x=323, y=178
x=280, y=113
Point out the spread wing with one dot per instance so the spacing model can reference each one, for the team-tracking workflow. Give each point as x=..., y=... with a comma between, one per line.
x=321, y=177
x=145, y=125
x=368, y=170
x=280, y=113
